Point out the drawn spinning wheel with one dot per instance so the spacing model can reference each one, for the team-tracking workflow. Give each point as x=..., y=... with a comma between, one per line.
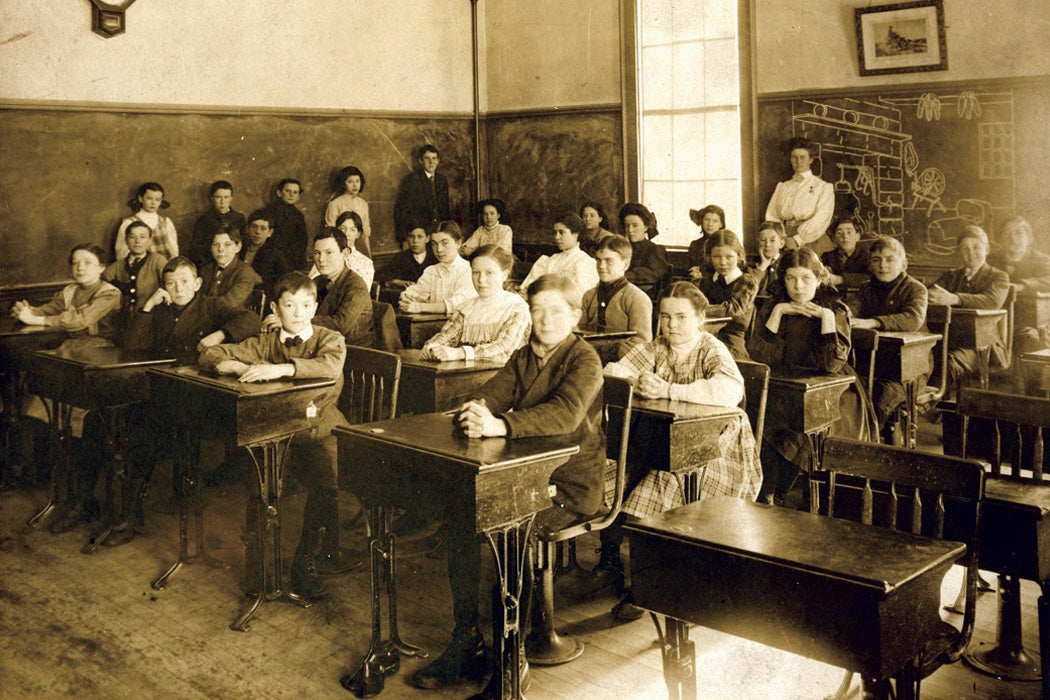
x=929, y=187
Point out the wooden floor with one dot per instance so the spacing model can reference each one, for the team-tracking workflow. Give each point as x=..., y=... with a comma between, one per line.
x=91, y=626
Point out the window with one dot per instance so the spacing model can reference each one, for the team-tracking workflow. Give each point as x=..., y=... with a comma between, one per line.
x=997, y=151
x=688, y=111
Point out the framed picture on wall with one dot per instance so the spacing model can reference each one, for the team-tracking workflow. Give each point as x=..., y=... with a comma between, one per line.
x=905, y=37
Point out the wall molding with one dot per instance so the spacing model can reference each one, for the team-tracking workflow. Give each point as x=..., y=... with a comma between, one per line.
x=532, y=113
x=889, y=90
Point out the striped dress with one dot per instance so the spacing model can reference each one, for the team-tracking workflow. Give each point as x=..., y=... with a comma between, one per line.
x=485, y=329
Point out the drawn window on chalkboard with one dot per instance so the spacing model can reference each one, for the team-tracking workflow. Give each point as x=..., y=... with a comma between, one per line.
x=997, y=150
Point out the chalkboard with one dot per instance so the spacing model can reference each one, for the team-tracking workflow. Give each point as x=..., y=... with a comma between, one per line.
x=66, y=175
x=920, y=164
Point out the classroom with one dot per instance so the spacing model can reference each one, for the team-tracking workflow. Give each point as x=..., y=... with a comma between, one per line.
x=654, y=113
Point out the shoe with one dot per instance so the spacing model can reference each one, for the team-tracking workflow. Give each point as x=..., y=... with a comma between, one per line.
x=492, y=688
x=305, y=583
x=338, y=562
x=464, y=657
x=74, y=516
x=626, y=610
x=608, y=573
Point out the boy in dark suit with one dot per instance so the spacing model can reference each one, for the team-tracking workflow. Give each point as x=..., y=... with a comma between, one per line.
x=422, y=197
x=405, y=268
x=344, y=304
x=300, y=349
x=220, y=216
x=288, y=223
x=267, y=260
x=228, y=277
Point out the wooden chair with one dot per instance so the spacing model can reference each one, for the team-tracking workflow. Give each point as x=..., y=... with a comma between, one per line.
x=933, y=395
x=384, y=320
x=756, y=393
x=925, y=494
x=544, y=646
x=1016, y=523
x=256, y=301
x=370, y=384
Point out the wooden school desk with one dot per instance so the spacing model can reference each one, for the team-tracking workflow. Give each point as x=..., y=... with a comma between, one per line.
x=805, y=403
x=501, y=483
x=17, y=341
x=105, y=379
x=674, y=436
x=260, y=417
x=606, y=343
x=417, y=329
x=979, y=329
x=1032, y=310
x=901, y=356
x=429, y=385
x=1035, y=368
x=866, y=599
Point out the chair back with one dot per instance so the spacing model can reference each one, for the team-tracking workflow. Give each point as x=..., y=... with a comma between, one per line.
x=756, y=392
x=371, y=379
x=945, y=331
x=384, y=320
x=256, y=301
x=902, y=489
x=1016, y=441
x=1006, y=327
x=864, y=349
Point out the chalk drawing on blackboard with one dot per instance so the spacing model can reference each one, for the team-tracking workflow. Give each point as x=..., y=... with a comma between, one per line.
x=899, y=171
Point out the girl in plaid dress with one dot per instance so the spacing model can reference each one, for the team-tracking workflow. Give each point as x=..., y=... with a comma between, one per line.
x=684, y=363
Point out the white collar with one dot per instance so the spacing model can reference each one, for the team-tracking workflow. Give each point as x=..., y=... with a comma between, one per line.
x=305, y=335
x=802, y=177
x=731, y=277
x=419, y=257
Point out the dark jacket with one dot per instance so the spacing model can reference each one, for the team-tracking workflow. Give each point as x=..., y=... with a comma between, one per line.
x=562, y=398
x=270, y=264
x=418, y=205
x=289, y=231
x=987, y=289
x=167, y=330
x=234, y=286
x=899, y=305
x=347, y=308
x=854, y=268
x=209, y=223
x=649, y=267
x=403, y=266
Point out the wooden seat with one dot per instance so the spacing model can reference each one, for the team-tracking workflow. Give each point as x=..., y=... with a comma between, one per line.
x=370, y=384
x=1016, y=522
x=925, y=494
x=544, y=646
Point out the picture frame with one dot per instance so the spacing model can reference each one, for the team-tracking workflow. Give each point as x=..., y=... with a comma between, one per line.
x=905, y=37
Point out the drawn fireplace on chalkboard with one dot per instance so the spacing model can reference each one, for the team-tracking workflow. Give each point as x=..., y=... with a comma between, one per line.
x=912, y=170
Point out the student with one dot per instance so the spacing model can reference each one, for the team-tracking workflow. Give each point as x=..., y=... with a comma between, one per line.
x=148, y=201
x=684, y=363
x=299, y=349
x=288, y=223
x=975, y=285
x=730, y=291
x=352, y=182
x=175, y=321
x=491, y=230
x=890, y=300
x=551, y=386
x=86, y=308
x=345, y=305
x=1029, y=272
x=709, y=220
x=649, y=266
x=443, y=286
x=138, y=275
x=406, y=267
x=595, y=225
x=803, y=326
x=616, y=304
x=570, y=261
x=770, y=245
x=350, y=224
x=227, y=276
x=220, y=216
x=490, y=326
x=847, y=263
x=422, y=197
x=266, y=259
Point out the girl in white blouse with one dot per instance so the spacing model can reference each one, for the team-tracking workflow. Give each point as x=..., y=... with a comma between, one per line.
x=571, y=261
x=490, y=326
x=349, y=222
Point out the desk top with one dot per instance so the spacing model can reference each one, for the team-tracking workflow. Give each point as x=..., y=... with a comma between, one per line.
x=863, y=340
x=868, y=556
x=13, y=327
x=230, y=385
x=1038, y=357
x=434, y=435
x=100, y=358
x=935, y=313
x=426, y=317
x=683, y=411
x=598, y=336
x=808, y=381
x=410, y=357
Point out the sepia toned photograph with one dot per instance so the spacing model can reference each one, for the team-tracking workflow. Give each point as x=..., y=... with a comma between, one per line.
x=901, y=38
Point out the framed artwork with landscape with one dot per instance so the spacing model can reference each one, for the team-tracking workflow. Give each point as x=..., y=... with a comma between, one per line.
x=904, y=37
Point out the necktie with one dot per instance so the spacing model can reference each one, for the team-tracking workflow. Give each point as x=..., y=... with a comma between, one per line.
x=293, y=342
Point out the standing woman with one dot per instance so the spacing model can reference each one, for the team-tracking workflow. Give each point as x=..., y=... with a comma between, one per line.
x=649, y=265
x=805, y=203
x=595, y=225
x=146, y=206
x=570, y=261
x=804, y=326
x=352, y=182
x=709, y=220
x=491, y=230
